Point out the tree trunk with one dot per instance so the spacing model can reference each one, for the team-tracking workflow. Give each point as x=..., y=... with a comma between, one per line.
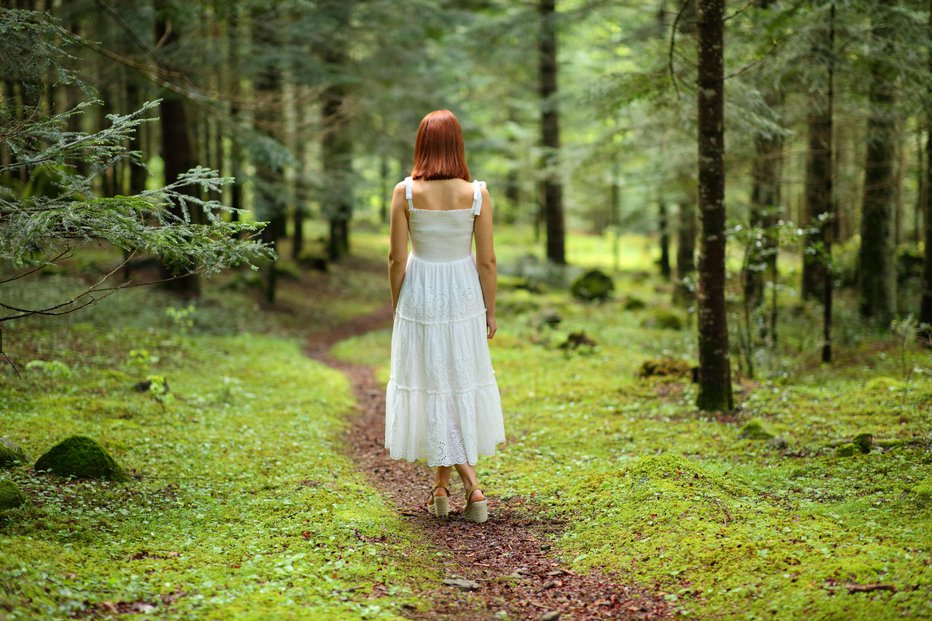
x=714, y=363
x=818, y=169
x=765, y=201
x=552, y=187
x=177, y=156
x=925, y=312
x=337, y=145
x=663, y=222
x=876, y=256
x=829, y=228
x=685, y=252
x=269, y=194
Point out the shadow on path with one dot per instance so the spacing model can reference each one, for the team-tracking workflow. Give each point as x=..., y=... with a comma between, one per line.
x=502, y=569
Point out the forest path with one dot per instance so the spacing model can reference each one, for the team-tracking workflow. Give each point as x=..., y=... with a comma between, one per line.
x=501, y=565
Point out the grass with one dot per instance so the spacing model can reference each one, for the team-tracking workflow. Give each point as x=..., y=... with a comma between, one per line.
x=241, y=503
x=673, y=499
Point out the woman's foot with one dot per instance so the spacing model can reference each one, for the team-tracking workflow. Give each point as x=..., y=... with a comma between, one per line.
x=477, y=507
x=439, y=503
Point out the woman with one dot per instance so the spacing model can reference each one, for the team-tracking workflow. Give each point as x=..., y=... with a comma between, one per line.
x=442, y=401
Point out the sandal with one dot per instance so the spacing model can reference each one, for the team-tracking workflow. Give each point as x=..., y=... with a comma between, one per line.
x=477, y=511
x=439, y=506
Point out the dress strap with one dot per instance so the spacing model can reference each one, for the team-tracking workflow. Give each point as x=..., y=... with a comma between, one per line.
x=409, y=192
x=477, y=196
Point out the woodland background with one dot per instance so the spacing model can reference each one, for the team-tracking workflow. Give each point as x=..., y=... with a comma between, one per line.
x=726, y=334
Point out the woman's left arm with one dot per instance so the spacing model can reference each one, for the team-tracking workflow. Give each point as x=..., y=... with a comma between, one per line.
x=398, y=243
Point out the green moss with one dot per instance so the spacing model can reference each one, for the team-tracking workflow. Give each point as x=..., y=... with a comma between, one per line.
x=633, y=303
x=11, y=455
x=664, y=319
x=863, y=441
x=754, y=430
x=247, y=506
x=846, y=450
x=80, y=457
x=921, y=493
x=593, y=286
x=664, y=367
x=10, y=495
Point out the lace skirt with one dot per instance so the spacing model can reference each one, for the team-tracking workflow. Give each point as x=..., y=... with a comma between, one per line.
x=442, y=401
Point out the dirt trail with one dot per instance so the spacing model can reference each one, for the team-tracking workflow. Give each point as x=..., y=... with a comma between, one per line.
x=505, y=564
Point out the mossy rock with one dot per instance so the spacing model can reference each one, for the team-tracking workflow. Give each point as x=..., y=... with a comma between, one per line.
x=863, y=441
x=593, y=286
x=633, y=303
x=10, y=496
x=754, y=430
x=11, y=455
x=846, y=450
x=664, y=319
x=80, y=457
x=664, y=367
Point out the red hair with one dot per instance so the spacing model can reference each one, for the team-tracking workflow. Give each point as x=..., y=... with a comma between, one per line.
x=438, y=150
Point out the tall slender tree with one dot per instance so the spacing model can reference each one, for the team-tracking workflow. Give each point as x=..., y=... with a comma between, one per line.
x=177, y=150
x=818, y=195
x=337, y=146
x=829, y=223
x=925, y=310
x=714, y=360
x=876, y=256
x=551, y=186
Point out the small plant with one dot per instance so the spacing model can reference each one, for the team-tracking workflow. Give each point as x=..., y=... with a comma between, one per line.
x=158, y=390
x=142, y=360
x=50, y=368
x=182, y=318
x=906, y=331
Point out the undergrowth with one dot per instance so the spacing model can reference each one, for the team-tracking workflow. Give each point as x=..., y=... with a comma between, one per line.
x=675, y=500
x=240, y=504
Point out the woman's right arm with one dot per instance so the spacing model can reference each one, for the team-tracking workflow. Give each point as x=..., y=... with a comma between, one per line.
x=398, y=243
x=485, y=260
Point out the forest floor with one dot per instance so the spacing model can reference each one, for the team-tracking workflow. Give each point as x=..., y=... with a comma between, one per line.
x=500, y=569
x=259, y=488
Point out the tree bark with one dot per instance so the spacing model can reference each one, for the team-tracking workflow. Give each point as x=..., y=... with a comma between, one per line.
x=925, y=311
x=829, y=228
x=685, y=251
x=663, y=222
x=551, y=187
x=818, y=169
x=177, y=155
x=765, y=201
x=337, y=145
x=876, y=256
x=714, y=360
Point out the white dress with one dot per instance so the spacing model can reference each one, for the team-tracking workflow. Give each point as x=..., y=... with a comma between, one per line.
x=442, y=402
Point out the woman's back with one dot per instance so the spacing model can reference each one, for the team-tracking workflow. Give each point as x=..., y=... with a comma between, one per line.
x=442, y=195
x=440, y=219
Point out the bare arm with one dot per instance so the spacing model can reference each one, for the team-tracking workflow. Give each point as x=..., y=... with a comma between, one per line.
x=398, y=243
x=485, y=260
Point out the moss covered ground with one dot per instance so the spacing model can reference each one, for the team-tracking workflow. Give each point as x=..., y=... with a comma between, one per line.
x=725, y=526
x=240, y=503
